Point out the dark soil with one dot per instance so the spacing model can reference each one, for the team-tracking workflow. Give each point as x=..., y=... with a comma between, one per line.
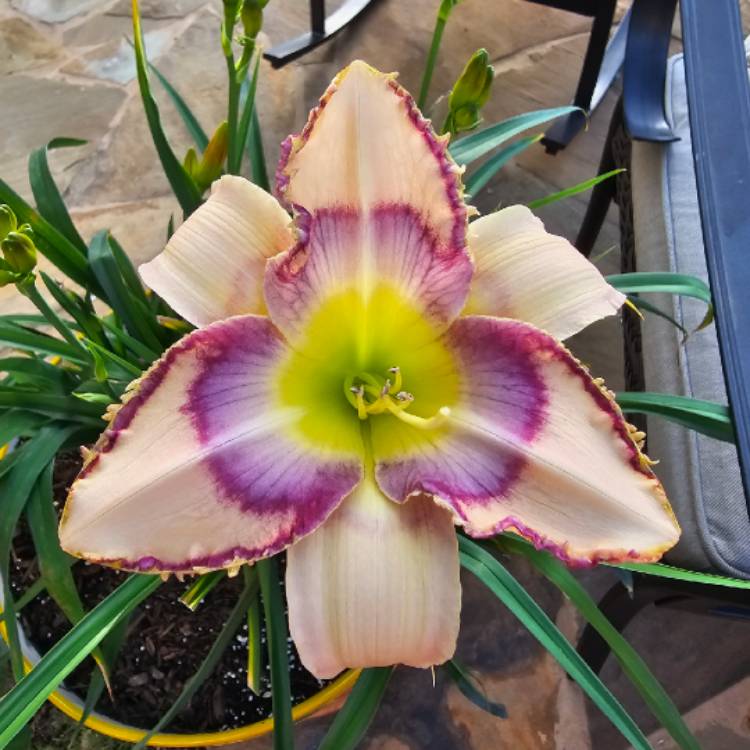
x=165, y=646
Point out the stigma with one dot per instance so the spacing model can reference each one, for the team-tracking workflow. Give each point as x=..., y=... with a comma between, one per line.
x=371, y=395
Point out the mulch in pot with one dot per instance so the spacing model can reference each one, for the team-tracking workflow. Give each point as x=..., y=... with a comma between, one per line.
x=165, y=646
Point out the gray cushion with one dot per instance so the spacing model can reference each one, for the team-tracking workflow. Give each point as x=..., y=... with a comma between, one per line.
x=701, y=475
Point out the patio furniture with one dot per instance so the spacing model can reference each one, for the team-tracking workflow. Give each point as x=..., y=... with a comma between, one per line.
x=685, y=207
x=322, y=28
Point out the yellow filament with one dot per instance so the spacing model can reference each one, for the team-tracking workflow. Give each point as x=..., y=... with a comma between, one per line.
x=423, y=423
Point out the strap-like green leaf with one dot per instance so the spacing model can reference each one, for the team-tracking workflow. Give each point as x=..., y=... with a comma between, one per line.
x=665, y=283
x=632, y=665
x=680, y=574
x=255, y=650
x=465, y=683
x=17, y=337
x=706, y=417
x=200, y=588
x=38, y=372
x=357, y=713
x=478, y=179
x=276, y=635
x=581, y=187
x=258, y=170
x=49, y=202
x=127, y=271
x=86, y=321
x=645, y=306
x=182, y=185
x=54, y=564
x=472, y=147
x=52, y=405
x=505, y=587
x=137, y=318
x=16, y=423
x=15, y=489
x=188, y=118
x=243, y=130
x=24, y=700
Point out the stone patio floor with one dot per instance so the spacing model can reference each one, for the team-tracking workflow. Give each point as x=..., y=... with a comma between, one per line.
x=67, y=70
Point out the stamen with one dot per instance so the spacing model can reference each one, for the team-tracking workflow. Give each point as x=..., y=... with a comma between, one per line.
x=370, y=395
x=423, y=423
x=359, y=392
x=397, y=382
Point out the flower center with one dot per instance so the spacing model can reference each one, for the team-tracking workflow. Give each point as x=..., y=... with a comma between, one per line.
x=371, y=394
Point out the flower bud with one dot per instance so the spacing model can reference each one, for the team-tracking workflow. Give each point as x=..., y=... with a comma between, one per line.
x=470, y=93
x=8, y=221
x=19, y=252
x=209, y=168
x=252, y=17
x=214, y=156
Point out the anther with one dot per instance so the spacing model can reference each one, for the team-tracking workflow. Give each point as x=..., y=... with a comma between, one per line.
x=404, y=396
x=396, y=372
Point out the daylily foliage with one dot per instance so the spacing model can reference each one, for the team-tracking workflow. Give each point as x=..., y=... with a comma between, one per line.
x=364, y=377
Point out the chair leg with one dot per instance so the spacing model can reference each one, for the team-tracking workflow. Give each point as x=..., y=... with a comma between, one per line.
x=602, y=194
x=592, y=76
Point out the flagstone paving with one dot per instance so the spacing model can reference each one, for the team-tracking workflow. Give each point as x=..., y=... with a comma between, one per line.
x=66, y=69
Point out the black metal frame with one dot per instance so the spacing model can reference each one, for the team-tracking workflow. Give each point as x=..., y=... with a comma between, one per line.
x=322, y=28
x=719, y=110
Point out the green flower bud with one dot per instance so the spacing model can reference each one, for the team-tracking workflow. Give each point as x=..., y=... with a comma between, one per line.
x=190, y=162
x=6, y=278
x=213, y=157
x=470, y=93
x=252, y=17
x=445, y=9
x=19, y=252
x=8, y=221
x=466, y=118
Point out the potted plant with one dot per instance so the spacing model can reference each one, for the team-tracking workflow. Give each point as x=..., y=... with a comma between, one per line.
x=190, y=481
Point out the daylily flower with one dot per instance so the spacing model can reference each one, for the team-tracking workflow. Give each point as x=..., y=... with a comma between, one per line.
x=363, y=379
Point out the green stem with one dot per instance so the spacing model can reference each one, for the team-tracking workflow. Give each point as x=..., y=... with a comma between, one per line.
x=437, y=36
x=232, y=110
x=276, y=635
x=54, y=319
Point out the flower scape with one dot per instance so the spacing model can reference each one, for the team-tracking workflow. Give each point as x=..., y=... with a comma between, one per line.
x=369, y=372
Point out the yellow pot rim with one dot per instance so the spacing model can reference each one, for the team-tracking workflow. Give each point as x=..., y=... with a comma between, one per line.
x=117, y=731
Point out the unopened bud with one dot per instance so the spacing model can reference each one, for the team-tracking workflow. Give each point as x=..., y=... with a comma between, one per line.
x=209, y=168
x=214, y=156
x=190, y=162
x=19, y=252
x=8, y=221
x=252, y=17
x=470, y=93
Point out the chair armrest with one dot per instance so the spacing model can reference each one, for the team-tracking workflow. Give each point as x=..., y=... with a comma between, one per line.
x=719, y=108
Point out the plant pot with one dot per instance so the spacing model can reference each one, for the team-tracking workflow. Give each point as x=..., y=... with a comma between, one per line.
x=71, y=705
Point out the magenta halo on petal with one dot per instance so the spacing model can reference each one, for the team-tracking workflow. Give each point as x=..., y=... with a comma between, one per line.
x=250, y=473
x=405, y=253
x=233, y=467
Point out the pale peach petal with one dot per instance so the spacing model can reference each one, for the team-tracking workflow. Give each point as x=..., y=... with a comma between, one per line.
x=213, y=266
x=202, y=467
x=523, y=272
x=377, y=584
x=378, y=203
x=532, y=444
